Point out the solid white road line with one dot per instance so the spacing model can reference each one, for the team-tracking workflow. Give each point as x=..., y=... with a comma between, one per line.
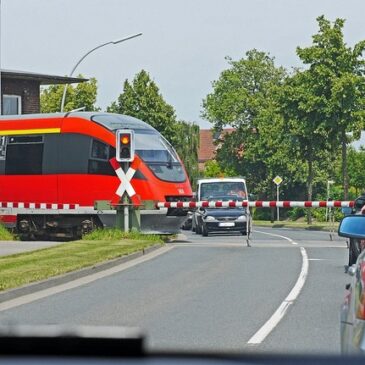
x=279, y=314
x=25, y=299
x=277, y=235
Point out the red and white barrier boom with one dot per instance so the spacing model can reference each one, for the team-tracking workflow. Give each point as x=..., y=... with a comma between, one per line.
x=257, y=204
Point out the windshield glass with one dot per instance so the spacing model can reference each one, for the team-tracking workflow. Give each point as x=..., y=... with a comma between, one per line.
x=259, y=102
x=152, y=147
x=229, y=190
x=159, y=156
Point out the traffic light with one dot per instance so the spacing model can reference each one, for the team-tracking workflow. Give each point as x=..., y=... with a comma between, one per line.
x=125, y=145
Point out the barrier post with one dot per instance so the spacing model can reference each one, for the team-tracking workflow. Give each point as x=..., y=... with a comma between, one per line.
x=126, y=201
x=135, y=218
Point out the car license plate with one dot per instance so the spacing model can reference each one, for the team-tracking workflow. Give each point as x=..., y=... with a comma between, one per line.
x=226, y=224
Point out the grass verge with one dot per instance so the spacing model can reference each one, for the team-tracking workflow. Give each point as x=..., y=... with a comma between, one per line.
x=6, y=235
x=20, y=269
x=316, y=226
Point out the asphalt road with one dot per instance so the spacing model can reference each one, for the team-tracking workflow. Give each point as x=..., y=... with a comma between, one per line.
x=216, y=293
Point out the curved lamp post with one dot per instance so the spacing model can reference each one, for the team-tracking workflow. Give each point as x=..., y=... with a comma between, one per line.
x=86, y=54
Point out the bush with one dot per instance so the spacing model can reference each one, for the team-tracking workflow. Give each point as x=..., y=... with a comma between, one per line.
x=295, y=213
x=320, y=214
x=261, y=214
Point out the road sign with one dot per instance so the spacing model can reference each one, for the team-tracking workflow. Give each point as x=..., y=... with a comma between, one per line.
x=125, y=179
x=277, y=180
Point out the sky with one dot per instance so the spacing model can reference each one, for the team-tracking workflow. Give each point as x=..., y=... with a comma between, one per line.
x=183, y=46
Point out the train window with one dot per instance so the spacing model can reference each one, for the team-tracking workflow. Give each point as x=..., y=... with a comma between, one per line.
x=99, y=150
x=24, y=155
x=3, y=141
x=163, y=171
x=100, y=155
x=159, y=156
x=152, y=147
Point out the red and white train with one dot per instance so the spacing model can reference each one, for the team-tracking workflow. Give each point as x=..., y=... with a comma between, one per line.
x=53, y=167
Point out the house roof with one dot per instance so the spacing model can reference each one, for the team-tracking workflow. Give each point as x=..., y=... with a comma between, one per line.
x=43, y=79
x=207, y=148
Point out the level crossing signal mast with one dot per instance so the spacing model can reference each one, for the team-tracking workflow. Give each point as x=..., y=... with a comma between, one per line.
x=125, y=145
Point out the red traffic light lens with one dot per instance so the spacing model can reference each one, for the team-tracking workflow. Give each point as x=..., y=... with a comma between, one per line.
x=124, y=139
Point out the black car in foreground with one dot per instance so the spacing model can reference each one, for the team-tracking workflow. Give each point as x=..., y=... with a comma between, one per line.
x=222, y=219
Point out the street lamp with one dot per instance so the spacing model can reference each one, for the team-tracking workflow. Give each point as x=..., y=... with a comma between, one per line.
x=329, y=183
x=86, y=54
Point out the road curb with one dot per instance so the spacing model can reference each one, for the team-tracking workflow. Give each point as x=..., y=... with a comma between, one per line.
x=64, y=278
x=309, y=228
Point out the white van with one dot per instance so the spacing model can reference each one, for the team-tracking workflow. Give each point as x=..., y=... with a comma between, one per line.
x=206, y=220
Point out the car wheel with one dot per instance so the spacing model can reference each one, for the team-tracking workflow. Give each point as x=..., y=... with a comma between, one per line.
x=204, y=231
x=354, y=251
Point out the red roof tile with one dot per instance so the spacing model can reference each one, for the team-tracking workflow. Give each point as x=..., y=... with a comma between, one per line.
x=207, y=148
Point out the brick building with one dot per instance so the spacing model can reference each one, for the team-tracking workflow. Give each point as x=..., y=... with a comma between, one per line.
x=209, y=143
x=21, y=90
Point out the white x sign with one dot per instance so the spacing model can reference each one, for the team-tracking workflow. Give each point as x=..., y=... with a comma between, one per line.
x=125, y=179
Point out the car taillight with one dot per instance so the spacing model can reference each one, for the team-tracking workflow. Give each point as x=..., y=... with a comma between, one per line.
x=360, y=294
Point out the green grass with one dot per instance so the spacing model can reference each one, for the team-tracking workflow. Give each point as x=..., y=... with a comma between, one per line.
x=20, y=269
x=117, y=234
x=6, y=235
x=319, y=226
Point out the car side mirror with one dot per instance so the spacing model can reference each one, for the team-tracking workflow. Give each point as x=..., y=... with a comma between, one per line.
x=352, y=226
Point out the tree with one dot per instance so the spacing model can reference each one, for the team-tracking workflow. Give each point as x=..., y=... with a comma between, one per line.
x=142, y=99
x=337, y=90
x=186, y=143
x=213, y=169
x=82, y=95
x=243, y=97
x=356, y=164
x=308, y=138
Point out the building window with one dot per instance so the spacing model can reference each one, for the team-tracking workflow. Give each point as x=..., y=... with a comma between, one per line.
x=12, y=104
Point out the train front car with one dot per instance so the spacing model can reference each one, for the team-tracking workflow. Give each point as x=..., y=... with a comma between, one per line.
x=54, y=167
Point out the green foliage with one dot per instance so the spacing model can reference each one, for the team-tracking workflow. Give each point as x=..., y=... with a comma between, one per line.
x=213, y=169
x=332, y=215
x=81, y=95
x=293, y=125
x=296, y=213
x=142, y=99
x=336, y=90
x=244, y=97
x=261, y=214
x=356, y=167
x=5, y=234
x=186, y=143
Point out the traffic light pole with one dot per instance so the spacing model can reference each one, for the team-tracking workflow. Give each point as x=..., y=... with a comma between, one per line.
x=126, y=201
